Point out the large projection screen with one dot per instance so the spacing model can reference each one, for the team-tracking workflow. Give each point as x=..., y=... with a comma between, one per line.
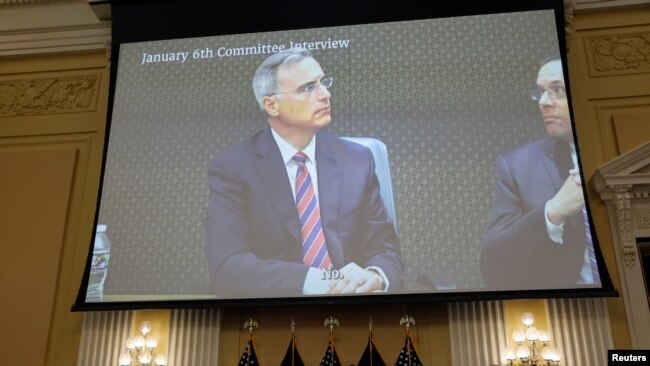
x=447, y=96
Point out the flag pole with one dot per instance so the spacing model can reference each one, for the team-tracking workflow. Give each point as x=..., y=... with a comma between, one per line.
x=250, y=324
x=370, y=345
x=293, y=341
x=407, y=321
x=331, y=322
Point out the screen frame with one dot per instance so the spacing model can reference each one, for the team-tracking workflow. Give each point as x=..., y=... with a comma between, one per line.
x=132, y=22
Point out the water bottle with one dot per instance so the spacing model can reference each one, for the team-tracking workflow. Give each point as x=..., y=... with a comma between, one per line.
x=98, y=265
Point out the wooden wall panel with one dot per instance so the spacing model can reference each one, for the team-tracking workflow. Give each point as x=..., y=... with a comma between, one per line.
x=49, y=106
x=36, y=185
x=632, y=129
x=608, y=80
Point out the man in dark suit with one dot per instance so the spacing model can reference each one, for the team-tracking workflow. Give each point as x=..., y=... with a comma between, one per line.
x=291, y=202
x=536, y=233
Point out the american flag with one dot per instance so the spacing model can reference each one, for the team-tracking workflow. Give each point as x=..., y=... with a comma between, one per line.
x=408, y=356
x=249, y=357
x=330, y=358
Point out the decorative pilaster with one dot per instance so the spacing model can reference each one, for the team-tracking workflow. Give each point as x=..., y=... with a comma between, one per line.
x=623, y=206
x=624, y=186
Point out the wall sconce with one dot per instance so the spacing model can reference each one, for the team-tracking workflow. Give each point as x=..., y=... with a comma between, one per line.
x=532, y=346
x=141, y=350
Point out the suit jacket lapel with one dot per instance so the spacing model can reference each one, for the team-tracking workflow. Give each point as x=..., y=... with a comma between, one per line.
x=555, y=158
x=273, y=177
x=329, y=191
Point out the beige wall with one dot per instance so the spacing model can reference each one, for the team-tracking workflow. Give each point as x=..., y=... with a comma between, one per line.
x=50, y=158
x=611, y=102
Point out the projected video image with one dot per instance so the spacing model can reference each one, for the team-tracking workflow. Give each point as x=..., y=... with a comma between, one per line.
x=414, y=157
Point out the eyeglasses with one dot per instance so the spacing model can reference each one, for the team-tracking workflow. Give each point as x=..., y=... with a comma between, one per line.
x=554, y=92
x=310, y=88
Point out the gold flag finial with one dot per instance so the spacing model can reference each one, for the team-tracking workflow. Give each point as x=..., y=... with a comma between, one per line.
x=250, y=324
x=331, y=322
x=408, y=321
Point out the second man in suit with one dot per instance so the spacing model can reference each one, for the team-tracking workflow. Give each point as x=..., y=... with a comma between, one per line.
x=536, y=237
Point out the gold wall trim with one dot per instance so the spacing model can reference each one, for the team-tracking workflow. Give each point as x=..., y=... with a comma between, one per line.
x=617, y=54
x=49, y=95
x=606, y=112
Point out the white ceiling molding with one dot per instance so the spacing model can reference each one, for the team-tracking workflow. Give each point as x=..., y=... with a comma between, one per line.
x=604, y=5
x=50, y=26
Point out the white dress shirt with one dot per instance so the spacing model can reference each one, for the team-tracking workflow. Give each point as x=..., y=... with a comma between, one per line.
x=556, y=232
x=314, y=277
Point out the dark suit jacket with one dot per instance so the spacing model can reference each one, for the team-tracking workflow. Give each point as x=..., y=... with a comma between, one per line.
x=253, y=241
x=516, y=252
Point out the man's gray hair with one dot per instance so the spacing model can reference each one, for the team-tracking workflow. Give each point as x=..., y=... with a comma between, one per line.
x=265, y=81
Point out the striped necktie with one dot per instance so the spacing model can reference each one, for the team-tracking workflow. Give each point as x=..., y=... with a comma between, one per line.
x=590, y=247
x=314, y=250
